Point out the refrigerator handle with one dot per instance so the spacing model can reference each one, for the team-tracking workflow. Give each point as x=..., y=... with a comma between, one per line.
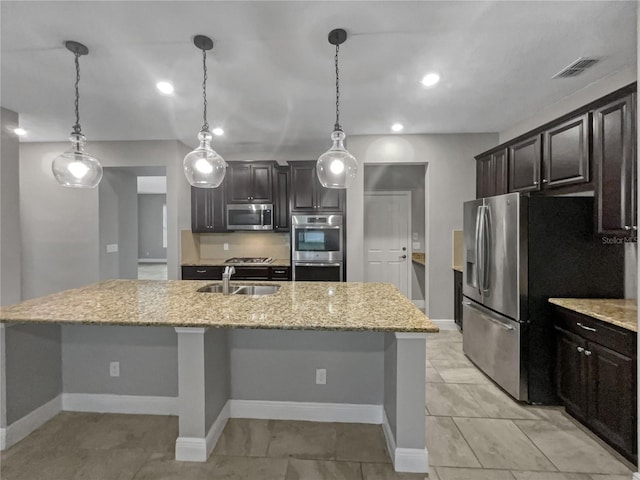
x=486, y=245
x=478, y=249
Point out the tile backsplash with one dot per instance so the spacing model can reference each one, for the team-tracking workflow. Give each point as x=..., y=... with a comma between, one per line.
x=198, y=247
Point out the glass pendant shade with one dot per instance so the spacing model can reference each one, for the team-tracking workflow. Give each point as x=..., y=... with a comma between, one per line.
x=336, y=167
x=203, y=167
x=75, y=167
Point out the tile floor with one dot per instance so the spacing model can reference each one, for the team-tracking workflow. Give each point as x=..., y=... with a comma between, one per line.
x=152, y=271
x=474, y=432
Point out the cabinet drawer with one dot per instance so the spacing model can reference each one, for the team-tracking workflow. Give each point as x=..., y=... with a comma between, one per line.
x=280, y=273
x=617, y=339
x=201, y=273
x=251, y=273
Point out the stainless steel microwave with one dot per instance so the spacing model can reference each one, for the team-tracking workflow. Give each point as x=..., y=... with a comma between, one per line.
x=257, y=216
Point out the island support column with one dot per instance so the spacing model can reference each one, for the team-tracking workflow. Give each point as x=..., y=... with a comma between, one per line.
x=404, y=401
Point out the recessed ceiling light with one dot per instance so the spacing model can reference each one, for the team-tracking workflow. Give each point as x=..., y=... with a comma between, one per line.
x=165, y=88
x=430, y=79
x=218, y=131
x=397, y=127
x=20, y=131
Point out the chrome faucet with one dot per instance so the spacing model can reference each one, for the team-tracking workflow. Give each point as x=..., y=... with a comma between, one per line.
x=226, y=276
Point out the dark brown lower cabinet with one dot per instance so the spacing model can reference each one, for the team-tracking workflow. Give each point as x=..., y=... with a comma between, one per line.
x=457, y=298
x=209, y=272
x=596, y=378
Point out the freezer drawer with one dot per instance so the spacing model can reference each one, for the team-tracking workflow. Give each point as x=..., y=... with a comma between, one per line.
x=494, y=343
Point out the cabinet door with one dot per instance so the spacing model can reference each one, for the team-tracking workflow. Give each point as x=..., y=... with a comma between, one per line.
x=613, y=152
x=208, y=210
x=302, y=186
x=193, y=272
x=500, y=169
x=571, y=381
x=238, y=181
x=281, y=195
x=566, y=155
x=329, y=199
x=524, y=165
x=483, y=177
x=457, y=298
x=261, y=184
x=612, y=396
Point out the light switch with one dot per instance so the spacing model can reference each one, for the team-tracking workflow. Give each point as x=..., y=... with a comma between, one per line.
x=415, y=236
x=112, y=248
x=416, y=245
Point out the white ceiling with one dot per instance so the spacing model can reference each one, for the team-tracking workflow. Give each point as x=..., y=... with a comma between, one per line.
x=271, y=78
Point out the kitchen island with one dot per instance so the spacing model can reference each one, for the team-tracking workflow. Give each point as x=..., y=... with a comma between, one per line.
x=203, y=322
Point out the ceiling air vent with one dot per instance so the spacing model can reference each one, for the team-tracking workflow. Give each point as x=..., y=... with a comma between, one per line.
x=576, y=68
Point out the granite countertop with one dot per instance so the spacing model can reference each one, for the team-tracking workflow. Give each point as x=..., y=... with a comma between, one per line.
x=457, y=268
x=220, y=262
x=419, y=258
x=296, y=306
x=620, y=312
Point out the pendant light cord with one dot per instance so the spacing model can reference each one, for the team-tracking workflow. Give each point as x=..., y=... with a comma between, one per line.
x=337, y=125
x=76, y=127
x=205, y=125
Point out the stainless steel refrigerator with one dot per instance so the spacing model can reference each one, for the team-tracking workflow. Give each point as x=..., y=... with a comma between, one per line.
x=518, y=252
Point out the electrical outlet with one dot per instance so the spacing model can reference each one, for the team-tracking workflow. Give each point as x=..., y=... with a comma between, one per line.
x=225, y=246
x=416, y=245
x=414, y=236
x=112, y=248
x=321, y=376
x=114, y=369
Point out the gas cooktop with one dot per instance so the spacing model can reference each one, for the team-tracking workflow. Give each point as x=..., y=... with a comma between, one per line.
x=250, y=260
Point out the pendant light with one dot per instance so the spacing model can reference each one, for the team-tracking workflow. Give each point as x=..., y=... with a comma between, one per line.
x=75, y=167
x=203, y=167
x=336, y=167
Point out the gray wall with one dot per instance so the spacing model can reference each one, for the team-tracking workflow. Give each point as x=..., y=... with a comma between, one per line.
x=450, y=182
x=150, y=226
x=391, y=380
x=281, y=365
x=10, y=248
x=148, y=359
x=217, y=388
x=408, y=178
x=33, y=371
x=118, y=223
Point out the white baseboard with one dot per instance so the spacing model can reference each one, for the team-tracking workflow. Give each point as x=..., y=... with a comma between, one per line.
x=19, y=429
x=152, y=260
x=310, y=411
x=193, y=449
x=445, y=324
x=419, y=303
x=413, y=460
x=133, y=404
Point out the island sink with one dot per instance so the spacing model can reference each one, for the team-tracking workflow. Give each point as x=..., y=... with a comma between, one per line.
x=249, y=290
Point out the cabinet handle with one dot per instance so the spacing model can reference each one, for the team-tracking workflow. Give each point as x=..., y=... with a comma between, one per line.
x=584, y=327
x=587, y=352
x=201, y=271
x=634, y=228
x=627, y=227
x=580, y=349
x=544, y=180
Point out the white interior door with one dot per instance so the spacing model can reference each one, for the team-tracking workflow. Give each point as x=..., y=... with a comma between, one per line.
x=387, y=233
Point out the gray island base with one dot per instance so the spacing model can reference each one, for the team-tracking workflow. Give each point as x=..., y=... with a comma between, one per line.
x=244, y=357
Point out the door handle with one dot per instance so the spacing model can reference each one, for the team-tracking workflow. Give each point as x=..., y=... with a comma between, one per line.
x=587, y=352
x=580, y=349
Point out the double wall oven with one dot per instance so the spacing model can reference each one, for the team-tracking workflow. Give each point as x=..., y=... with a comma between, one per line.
x=317, y=251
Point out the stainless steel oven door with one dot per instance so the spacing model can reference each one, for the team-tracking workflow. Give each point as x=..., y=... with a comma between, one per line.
x=317, y=243
x=317, y=272
x=495, y=343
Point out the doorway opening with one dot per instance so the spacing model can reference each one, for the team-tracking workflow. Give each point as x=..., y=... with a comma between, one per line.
x=395, y=227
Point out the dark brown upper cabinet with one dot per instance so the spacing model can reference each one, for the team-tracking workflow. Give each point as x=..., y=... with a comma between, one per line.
x=281, y=189
x=491, y=174
x=524, y=165
x=615, y=169
x=249, y=182
x=308, y=195
x=566, y=153
x=208, y=209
